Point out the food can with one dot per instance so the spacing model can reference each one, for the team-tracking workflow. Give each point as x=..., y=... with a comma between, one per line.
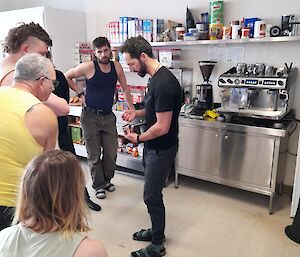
x=235, y=29
x=259, y=29
x=215, y=31
x=245, y=32
x=216, y=12
x=226, y=32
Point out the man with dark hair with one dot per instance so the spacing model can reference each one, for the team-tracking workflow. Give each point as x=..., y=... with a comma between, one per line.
x=28, y=38
x=162, y=106
x=97, y=119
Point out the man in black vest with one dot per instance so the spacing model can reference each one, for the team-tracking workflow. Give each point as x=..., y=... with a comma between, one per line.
x=97, y=120
x=162, y=106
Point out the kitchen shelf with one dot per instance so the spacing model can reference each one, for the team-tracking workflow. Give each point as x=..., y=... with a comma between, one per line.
x=226, y=41
x=74, y=125
x=80, y=150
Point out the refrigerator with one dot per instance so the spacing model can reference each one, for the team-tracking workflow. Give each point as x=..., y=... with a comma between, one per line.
x=296, y=187
x=65, y=27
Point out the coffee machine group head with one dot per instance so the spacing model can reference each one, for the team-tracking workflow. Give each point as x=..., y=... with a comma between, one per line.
x=204, y=91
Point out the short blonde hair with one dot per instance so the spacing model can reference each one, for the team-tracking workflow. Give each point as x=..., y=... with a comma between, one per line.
x=52, y=194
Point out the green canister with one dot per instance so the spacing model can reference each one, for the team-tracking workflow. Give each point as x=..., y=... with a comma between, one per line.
x=216, y=12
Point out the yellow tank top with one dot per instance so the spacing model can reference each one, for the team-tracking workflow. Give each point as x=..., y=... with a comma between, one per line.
x=17, y=146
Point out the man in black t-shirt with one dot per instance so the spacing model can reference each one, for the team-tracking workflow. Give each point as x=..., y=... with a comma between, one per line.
x=162, y=106
x=64, y=137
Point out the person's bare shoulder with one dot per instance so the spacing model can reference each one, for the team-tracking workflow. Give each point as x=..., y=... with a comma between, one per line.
x=83, y=69
x=90, y=248
x=42, y=124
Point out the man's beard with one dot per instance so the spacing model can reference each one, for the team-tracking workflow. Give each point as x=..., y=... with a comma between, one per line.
x=143, y=70
x=104, y=60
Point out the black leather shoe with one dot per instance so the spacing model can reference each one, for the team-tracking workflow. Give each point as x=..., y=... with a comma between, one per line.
x=93, y=206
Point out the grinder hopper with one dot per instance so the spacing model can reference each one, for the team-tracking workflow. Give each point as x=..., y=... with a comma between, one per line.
x=204, y=91
x=206, y=68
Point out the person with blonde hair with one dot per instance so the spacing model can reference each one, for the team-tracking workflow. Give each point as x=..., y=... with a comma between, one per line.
x=51, y=217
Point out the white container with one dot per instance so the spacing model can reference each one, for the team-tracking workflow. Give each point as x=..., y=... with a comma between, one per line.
x=179, y=33
x=259, y=29
x=235, y=31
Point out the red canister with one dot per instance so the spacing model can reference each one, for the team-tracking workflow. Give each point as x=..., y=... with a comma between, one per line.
x=245, y=32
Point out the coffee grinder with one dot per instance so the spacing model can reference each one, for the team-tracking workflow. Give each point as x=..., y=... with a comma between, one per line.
x=204, y=91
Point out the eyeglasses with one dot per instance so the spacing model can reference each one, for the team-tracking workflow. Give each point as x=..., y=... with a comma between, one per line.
x=54, y=82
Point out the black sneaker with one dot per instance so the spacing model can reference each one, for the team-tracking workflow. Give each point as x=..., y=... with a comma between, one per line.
x=93, y=206
x=110, y=187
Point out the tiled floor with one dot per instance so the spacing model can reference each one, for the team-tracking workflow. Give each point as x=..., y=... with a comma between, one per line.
x=203, y=220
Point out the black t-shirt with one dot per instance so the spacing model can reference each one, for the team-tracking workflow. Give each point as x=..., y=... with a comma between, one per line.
x=164, y=95
x=62, y=90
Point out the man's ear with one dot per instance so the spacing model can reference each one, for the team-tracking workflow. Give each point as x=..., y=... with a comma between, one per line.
x=143, y=56
x=24, y=48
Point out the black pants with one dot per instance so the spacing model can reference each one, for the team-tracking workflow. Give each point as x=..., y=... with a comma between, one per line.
x=6, y=216
x=158, y=164
x=65, y=143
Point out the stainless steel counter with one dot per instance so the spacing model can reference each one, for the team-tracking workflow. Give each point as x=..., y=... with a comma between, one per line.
x=242, y=156
x=258, y=130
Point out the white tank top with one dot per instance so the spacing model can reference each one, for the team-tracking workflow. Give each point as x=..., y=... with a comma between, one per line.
x=18, y=241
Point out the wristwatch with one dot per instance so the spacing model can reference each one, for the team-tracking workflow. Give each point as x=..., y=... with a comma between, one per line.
x=138, y=139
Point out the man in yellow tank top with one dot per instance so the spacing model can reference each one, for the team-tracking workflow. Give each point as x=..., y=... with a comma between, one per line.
x=27, y=126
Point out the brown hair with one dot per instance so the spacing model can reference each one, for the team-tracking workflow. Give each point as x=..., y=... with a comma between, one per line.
x=135, y=46
x=52, y=194
x=18, y=35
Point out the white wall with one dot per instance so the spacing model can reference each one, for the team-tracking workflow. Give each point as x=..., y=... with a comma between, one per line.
x=98, y=13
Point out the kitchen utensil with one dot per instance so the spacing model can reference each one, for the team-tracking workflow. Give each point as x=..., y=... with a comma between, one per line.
x=259, y=69
x=241, y=68
x=269, y=71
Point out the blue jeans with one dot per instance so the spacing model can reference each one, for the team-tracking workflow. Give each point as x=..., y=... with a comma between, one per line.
x=157, y=164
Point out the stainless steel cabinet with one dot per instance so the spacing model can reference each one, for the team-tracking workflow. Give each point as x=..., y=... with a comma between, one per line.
x=199, y=151
x=247, y=158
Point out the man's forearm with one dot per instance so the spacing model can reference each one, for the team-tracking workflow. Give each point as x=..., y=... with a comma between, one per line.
x=153, y=132
x=128, y=99
x=140, y=113
x=73, y=85
x=58, y=105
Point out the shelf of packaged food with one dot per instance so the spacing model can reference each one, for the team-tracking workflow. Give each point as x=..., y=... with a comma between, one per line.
x=80, y=150
x=74, y=125
x=75, y=110
x=123, y=159
x=226, y=41
x=130, y=162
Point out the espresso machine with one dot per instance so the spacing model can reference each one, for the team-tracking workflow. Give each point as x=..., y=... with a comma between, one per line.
x=204, y=97
x=256, y=91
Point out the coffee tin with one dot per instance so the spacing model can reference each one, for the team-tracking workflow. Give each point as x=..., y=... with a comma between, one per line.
x=216, y=12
